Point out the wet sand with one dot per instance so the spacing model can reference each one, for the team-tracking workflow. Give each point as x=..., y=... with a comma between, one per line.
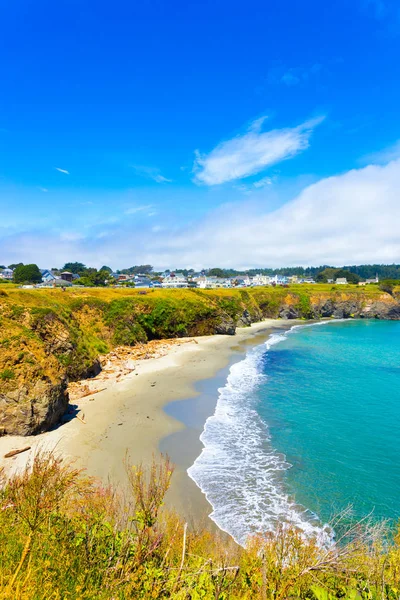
x=161, y=406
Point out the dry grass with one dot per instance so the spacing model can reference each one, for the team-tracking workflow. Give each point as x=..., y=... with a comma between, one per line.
x=63, y=536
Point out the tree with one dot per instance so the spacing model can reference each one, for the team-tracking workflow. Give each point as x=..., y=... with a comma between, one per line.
x=351, y=277
x=137, y=269
x=14, y=266
x=216, y=272
x=2, y=267
x=74, y=267
x=27, y=274
x=108, y=269
x=321, y=278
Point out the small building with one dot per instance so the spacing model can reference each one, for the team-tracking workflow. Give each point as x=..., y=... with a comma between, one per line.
x=6, y=274
x=175, y=280
x=293, y=279
x=142, y=282
x=67, y=276
x=341, y=281
x=60, y=282
x=47, y=276
x=261, y=279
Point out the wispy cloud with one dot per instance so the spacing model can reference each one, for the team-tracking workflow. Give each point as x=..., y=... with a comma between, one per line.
x=291, y=76
x=151, y=173
x=383, y=156
x=42, y=189
x=252, y=152
x=263, y=182
x=132, y=210
x=62, y=170
x=387, y=12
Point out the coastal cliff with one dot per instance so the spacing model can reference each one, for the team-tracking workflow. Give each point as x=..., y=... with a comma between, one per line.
x=50, y=337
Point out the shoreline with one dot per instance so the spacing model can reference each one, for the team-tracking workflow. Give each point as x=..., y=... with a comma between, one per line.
x=128, y=417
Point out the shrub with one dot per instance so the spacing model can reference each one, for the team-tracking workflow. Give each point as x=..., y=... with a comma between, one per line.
x=7, y=375
x=63, y=535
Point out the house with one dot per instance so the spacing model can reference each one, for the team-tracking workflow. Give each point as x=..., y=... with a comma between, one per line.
x=375, y=280
x=210, y=283
x=243, y=281
x=175, y=280
x=6, y=274
x=142, y=281
x=261, y=279
x=47, y=276
x=122, y=277
x=341, y=281
x=67, y=276
x=60, y=282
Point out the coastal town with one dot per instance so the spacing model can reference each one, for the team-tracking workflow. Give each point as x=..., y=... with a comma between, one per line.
x=205, y=279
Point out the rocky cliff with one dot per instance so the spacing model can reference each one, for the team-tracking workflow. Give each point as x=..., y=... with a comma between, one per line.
x=49, y=337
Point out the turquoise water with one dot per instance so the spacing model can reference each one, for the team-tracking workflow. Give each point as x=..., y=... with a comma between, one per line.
x=306, y=424
x=332, y=404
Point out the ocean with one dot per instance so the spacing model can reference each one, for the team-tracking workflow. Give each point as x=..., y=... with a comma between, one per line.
x=306, y=424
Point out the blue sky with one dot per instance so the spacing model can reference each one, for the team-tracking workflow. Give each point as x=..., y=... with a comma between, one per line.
x=199, y=134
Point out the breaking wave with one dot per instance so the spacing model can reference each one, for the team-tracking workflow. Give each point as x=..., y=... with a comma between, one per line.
x=238, y=469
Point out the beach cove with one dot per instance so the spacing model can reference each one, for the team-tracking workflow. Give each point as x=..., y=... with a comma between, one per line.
x=127, y=419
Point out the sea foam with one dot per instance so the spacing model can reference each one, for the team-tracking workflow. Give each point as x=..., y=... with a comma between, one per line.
x=238, y=469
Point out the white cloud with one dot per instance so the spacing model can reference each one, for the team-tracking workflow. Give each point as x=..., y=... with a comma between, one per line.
x=291, y=76
x=161, y=179
x=135, y=209
x=62, y=171
x=345, y=219
x=252, y=152
x=263, y=182
x=151, y=173
x=43, y=189
x=384, y=156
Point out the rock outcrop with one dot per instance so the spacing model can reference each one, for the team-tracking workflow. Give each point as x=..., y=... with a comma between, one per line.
x=225, y=326
x=32, y=409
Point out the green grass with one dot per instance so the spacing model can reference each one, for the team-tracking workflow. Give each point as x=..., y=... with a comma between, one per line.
x=66, y=331
x=66, y=537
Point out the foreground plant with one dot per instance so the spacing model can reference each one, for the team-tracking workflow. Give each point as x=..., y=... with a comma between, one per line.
x=63, y=536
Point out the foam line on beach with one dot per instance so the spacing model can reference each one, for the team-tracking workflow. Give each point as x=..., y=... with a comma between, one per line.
x=238, y=469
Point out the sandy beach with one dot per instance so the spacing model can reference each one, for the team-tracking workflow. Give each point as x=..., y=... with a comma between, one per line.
x=127, y=418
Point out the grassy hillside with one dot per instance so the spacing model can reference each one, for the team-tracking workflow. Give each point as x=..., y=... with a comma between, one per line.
x=63, y=536
x=43, y=331
x=48, y=336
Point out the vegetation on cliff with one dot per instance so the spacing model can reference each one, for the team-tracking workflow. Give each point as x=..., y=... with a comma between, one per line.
x=50, y=336
x=63, y=536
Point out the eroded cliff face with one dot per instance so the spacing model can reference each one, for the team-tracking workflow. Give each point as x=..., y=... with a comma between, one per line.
x=48, y=339
x=343, y=306
x=33, y=408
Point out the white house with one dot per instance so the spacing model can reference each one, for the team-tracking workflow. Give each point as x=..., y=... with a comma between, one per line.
x=341, y=281
x=261, y=279
x=175, y=280
x=210, y=283
x=6, y=274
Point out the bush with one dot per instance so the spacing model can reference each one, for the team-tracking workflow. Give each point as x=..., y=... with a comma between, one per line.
x=27, y=274
x=7, y=375
x=65, y=536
